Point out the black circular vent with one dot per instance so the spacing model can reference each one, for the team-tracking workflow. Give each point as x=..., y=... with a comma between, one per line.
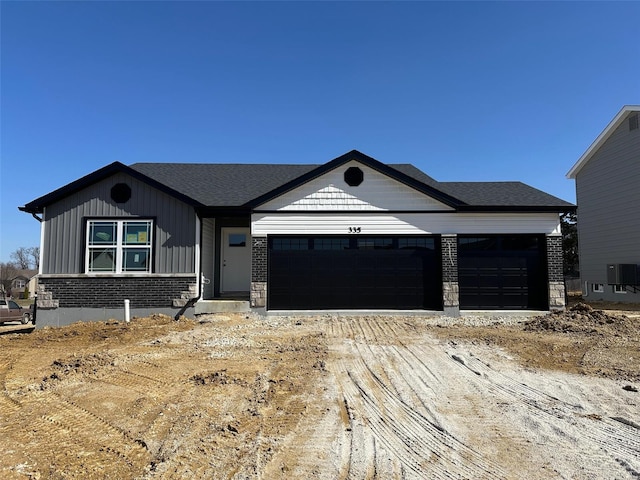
x=120, y=193
x=353, y=176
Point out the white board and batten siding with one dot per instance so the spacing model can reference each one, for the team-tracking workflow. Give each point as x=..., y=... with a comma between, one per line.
x=381, y=206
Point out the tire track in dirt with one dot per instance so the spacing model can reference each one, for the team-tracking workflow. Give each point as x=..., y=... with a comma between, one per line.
x=620, y=440
x=391, y=420
x=83, y=434
x=130, y=380
x=8, y=404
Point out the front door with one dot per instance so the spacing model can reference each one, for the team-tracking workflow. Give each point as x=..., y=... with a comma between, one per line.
x=235, y=263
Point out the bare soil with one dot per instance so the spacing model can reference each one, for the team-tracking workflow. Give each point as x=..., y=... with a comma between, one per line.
x=326, y=397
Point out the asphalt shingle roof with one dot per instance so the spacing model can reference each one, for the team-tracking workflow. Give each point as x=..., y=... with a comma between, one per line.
x=516, y=194
x=223, y=184
x=226, y=185
x=244, y=186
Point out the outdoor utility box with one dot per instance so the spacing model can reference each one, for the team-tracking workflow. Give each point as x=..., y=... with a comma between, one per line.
x=623, y=274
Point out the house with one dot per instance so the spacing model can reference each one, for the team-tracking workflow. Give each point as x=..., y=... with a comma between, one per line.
x=351, y=234
x=607, y=179
x=24, y=283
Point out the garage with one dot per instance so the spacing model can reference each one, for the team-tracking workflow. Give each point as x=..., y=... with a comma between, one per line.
x=502, y=272
x=354, y=272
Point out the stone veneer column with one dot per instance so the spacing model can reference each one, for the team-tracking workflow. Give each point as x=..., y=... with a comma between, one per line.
x=450, y=289
x=258, y=272
x=555, y=273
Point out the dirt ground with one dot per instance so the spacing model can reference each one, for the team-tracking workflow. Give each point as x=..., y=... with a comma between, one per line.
x=328, y=397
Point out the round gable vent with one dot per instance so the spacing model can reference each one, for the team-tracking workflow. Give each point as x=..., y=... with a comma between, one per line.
x=353, y=176
x=120, y=193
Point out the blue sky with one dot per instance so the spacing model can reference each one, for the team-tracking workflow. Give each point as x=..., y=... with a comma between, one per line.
x=465, y=91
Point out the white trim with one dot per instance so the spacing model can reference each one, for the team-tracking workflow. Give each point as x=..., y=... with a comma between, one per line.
x=120, y=246
x=603, y=137
x=597, y=287
x=42, y=226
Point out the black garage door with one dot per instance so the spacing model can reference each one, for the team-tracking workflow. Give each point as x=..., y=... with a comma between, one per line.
x=354, y=272
x=507, y=272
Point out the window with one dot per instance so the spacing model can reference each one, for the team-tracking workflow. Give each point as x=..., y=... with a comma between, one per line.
x=619, y=289
x=416, y=242
x=477, y=243
x=330, y=243
x=18, y=283
x=597, y=288
x=290, y=244
x=375, y=243
x=119, y=246
x=237, y=240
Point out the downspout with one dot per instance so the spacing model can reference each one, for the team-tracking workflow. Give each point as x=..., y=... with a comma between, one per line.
x=34, y=314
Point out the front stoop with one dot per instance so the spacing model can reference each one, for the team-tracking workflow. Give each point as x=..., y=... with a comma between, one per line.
x=221, y=306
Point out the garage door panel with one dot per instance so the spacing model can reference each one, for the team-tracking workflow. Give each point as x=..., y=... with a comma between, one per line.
x=371, y=273
x=494, y=274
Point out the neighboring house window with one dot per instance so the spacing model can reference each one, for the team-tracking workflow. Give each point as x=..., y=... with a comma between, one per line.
x=18, y=283
x=619, y=289
x=597, y=288
x=119, y=246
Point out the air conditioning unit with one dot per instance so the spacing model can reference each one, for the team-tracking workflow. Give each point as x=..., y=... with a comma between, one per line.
x=623, y=274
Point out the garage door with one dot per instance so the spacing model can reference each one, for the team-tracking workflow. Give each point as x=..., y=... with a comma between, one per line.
x=354, y=273
x=502, y=272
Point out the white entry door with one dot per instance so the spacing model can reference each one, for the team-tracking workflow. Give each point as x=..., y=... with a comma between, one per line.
x=235, y=263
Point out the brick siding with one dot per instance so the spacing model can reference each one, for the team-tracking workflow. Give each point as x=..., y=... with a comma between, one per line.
x=450, y=258
x=259, y=259
x=555, y=273
x=110, y=292
x=554, y=258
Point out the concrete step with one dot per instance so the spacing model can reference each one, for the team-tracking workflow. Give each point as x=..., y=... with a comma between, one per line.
x=221, y=306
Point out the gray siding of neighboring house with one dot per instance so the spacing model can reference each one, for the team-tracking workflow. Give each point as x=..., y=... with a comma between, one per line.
x=608, y=197
x=174, y=234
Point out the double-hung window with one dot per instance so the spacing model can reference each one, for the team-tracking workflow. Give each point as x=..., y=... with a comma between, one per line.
x=119, y=246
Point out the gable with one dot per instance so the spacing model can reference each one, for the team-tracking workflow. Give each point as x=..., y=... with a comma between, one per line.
x=616, y=127
x=88, y=181
x=64, y=233
x=617, y=158
x=377, y=192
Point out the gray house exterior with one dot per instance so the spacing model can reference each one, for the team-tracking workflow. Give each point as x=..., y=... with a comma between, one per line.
x=607, y=179
x=352, y=234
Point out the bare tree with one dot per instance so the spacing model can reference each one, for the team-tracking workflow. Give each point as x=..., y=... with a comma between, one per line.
x=34, y=252
x=26, y=258
x=21, y=258
x=8, y=271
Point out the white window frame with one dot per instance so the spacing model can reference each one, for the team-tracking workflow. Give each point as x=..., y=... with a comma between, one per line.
x=619, y=289
x=597, y=288
x=119, y=246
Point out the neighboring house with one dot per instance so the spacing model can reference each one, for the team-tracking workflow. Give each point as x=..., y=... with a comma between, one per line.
x=24, y=281
x=607, y=179
x=351, y=234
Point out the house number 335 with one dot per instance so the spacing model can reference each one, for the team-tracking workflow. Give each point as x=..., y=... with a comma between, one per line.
x=355, y=229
